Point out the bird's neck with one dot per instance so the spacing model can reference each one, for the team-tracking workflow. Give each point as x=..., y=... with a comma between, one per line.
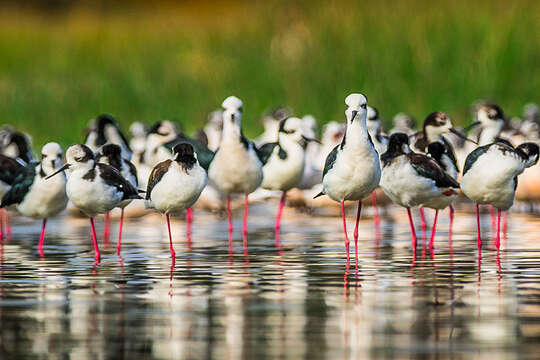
x=432, y=134
x=232, y=133
x=488, y=134
x=356, y=136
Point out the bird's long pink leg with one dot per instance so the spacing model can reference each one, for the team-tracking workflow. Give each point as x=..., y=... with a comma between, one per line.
x=8, y=226
x=173, y=254
x=2, y=234
x=106, y=228
x=94, y=239
x=119, y=244
x=423, y=220
x=498, y=238
x=345, y=231
x=433, y=230
x=375, y=207
x=278, y=218
x=189, y=219
x=231, y=228
x=42, y=237
x=244, y=227
x=413, y=232
x=359, y=211
x=478, y=239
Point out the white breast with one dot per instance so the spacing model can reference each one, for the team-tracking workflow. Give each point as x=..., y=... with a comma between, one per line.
x=45, y=198
x=178, y=189
x=235, y=169
x=284, y=174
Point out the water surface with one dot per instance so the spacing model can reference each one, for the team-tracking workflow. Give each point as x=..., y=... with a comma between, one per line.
x=293, y=302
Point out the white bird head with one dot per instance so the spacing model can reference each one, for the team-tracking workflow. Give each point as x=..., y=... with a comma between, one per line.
x=291, y=129
x=232, y=116
x=356, y=107
x=77, y=157
x=490, y=115
x=373, y=122
x=51, y=157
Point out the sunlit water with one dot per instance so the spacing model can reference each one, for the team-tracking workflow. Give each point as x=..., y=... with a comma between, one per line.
x=296, y=302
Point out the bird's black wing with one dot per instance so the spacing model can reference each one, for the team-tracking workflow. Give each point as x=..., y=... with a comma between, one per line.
x=9, y=168
x=112, y=177
x=204, y=154
x=427, y=167
x=265, y=151
x=450, y=152
x=21, y=185
x=155, y=176
x=330, y=160
x=132, y=170
x=473, y=156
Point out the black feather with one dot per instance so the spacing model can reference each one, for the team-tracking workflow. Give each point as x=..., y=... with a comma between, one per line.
x=450, y=152
x=330, y=160
x=265, y=151
x=473, y=156
x=204, y=154
x=9, y=168
x=113, y=178
x=156, y=175
x=427, y=167
x=21, y=185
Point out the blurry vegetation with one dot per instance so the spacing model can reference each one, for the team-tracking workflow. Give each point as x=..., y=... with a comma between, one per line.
x=61, y=65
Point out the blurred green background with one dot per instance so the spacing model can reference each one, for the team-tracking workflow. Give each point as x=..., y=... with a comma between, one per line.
x=62, y=63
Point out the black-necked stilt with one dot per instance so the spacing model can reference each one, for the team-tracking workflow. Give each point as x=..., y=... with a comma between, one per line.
x=491, y=119
x=411, y=179
x=111, y=154
x=236, y=167
x=105, y=129
x=35, y=196
x=213, y=129
x=380, y=141
x=352, y=170
x=439, y=152
x=93, y=187
x=9, y=168
x=435, y=126
x=284, y=162
x=176, y=184
x=490, y=176
x=16, y=145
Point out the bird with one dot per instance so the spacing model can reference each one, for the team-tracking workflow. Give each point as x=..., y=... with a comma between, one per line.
x=111, y=154
x=9, y=168
x=438, y=152
x=352, y=169
x=271, y=122
x=490, y=176
x=176, y=184
x=236, y=167
x=36, y=197
x=16, y=145
x=213, y=128
x=380, y=141
x=435, y=126
x=284, y=162
x=404, y=123
x=93, y=187
x=105, y=129
x=410, y=179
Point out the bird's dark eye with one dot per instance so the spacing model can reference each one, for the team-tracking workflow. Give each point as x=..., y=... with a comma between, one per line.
x=363, y=106
x=241, y=109
x=43, y=155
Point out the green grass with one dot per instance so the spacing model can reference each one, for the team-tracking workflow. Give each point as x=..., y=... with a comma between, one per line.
x=180, y=63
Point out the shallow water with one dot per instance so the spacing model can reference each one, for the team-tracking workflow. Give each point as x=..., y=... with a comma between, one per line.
x=296, y=302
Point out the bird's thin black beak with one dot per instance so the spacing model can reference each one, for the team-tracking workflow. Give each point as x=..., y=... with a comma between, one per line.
x=311, y=139
x=459, y=134
x=232, y=117
x=65, y=167
x=474, y=124
x=354, y=113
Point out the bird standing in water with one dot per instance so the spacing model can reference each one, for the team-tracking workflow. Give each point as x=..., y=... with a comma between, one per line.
x=111, y=154
x=93, y=187
x=236, y=167
x=35, y=196
x=176, y=184
x=490, y=177
x=352, y=169
x=284, y=162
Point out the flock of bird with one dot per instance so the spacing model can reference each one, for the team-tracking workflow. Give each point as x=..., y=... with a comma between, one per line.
x=171, y=171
